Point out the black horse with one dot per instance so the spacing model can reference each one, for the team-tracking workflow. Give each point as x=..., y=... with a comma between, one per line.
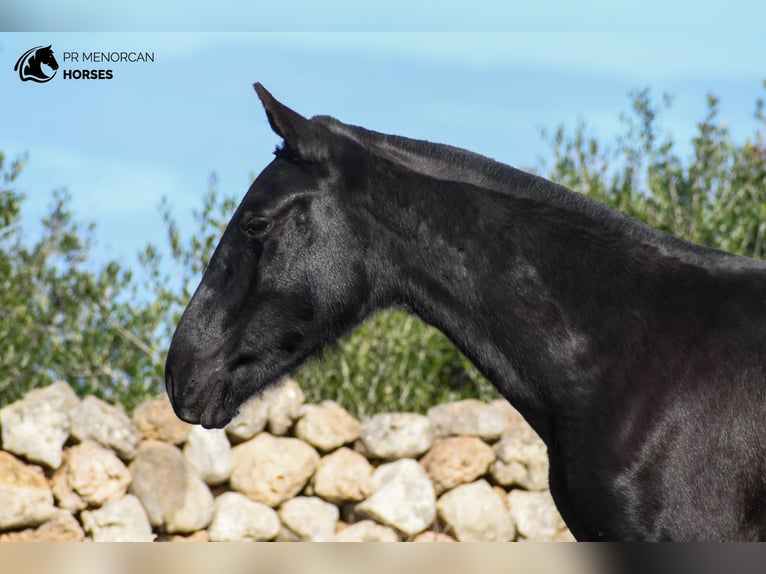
x=30, y=64
x=640, y=359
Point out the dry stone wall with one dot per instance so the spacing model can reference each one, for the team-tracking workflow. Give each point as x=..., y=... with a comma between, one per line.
x=82, y=470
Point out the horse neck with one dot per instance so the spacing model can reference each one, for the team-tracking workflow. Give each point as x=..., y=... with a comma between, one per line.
x=531, y=292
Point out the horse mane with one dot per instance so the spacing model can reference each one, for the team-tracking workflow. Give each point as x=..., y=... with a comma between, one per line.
x=446, y=162
x=455, y=164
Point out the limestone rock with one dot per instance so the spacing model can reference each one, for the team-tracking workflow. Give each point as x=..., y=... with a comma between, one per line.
x=475, y=513
x=473, y=418
x=457, y=460
x=503, y=494
x=156, y=420
x=250, y=420
x=310, y=518
x=535, y=515
x=367, y=531
x=62, y=527
x=564, y=535
x=522, y=459
x=431, y=536
x=272, y=469
x=37, y=426
x=239, y=519
x=513, y=416
x=285, y=402
x=343, y=475
x=63, y=493
x=95, y=474
x=174, y=496
x=108, y=425
x=120, y=520
x=396, y=435
x=278, y=407
x=199, y=536
x=287, y=535
x=25, y=498
x=403, y=498
x=208, y=451
x=326, y=426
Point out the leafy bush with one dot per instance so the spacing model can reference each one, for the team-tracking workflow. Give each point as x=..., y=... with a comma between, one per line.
x=715, y=197
x=60, y=318
x=393, y=362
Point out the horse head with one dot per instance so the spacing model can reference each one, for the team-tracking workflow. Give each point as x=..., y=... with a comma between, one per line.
x=29, y=65
x=45, y=56
x=288, y=275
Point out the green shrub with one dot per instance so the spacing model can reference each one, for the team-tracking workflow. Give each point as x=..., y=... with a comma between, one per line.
x=393, y=362
x=64, y=316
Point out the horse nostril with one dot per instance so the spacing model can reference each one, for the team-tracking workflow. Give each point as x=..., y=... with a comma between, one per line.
x=169, y=384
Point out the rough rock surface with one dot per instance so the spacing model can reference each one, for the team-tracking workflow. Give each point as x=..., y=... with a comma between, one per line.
x=172, y=501
x=522, y=460
x=343, y=475
x=403, y=498
x=199, y=536
x=174, y=496
x=63, y=493
x=208, y=451
x=503, y=496
x=62, y=527
x=396, y=435
x=277, y=407
x=367, y=531
x=472, y=417
x=512, y=415
x=122, y=520
x=535, y=515
x=475, y=513
x=250, y=420
x=326, y=426
x=25, y=498
x=272, y=469
x=285, y=401
x=106, y=424
x=239, y=519
x=457, y=460
x=37, y=426
x=95, y=474
x=310, y=518
x=156, y=420
x=431, y=536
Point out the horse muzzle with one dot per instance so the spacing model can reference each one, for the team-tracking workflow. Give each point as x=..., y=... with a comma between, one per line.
x=200, y=397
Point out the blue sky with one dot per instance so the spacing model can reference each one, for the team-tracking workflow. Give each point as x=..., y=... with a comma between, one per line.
x=161, y=128
x=403, y=15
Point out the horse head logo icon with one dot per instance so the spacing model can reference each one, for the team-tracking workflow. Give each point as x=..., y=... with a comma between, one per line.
x=29, y=66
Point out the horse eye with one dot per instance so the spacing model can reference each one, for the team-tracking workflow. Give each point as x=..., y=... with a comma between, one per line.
x=256, y=225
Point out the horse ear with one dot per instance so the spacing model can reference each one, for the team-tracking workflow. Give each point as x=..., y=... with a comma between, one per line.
x=298, y=132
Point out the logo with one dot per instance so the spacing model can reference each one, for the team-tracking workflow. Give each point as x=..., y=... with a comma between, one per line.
x=30, y=65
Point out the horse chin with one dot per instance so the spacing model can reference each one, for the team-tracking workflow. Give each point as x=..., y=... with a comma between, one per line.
x=216, y=411
x=216, y=418
x=215, y=405
x=227, y=399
